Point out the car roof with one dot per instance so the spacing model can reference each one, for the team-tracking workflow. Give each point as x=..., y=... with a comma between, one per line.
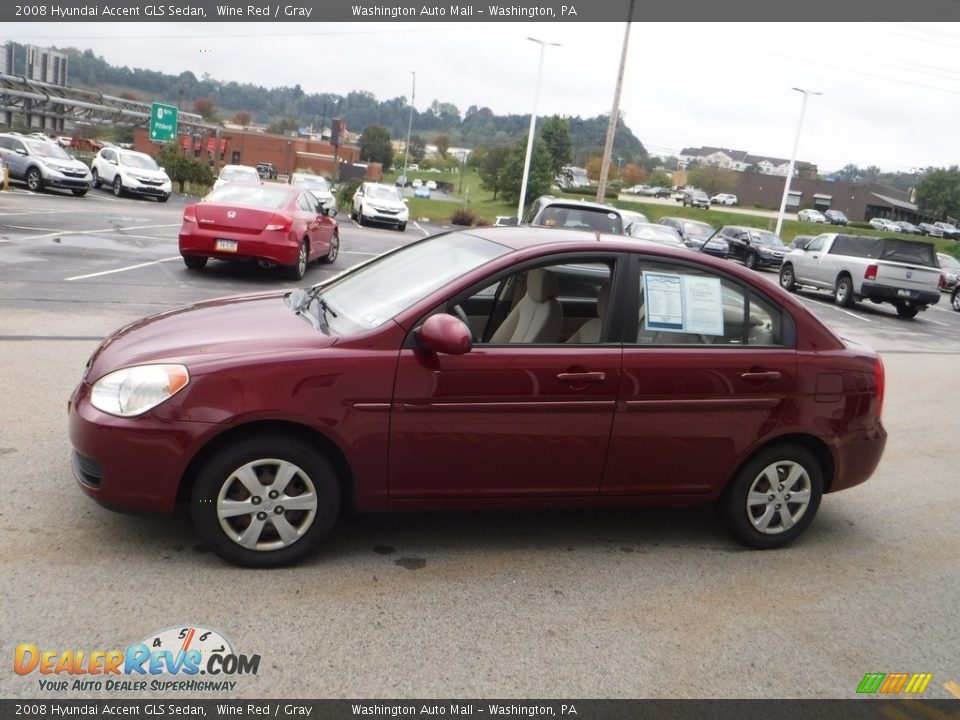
x=573, y=203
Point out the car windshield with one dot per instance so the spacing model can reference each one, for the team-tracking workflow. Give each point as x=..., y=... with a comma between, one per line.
x=383, y=192
x=46, y=149
x=236, y=173
x=375, y=292
x=765, y=238
x=142, y=162
x=696, y=229
x=317, y=184
x=262, y=196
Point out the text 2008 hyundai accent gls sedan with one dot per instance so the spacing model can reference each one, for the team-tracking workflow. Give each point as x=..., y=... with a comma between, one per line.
x=485, y=368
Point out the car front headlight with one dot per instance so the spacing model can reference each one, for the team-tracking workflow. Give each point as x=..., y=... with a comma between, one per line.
x=133, y=391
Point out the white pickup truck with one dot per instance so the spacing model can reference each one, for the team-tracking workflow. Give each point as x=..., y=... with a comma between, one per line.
x=880, y=269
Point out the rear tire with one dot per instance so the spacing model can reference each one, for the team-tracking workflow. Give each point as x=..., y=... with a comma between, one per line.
x=907, y=311
x=266, y=502
x=297, y=271
x=334, y=250
x=787, y=281
x=773, y=497
x=194, y=262
x=843, y=292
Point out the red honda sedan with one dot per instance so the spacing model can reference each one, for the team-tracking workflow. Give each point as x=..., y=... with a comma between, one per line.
x=485, y=368
x=270, y=224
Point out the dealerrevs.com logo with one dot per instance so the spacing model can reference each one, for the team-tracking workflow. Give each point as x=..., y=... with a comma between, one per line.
x=190, y=658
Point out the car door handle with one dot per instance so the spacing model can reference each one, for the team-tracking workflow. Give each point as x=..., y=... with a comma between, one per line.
x=760, y=376
x=577, y=378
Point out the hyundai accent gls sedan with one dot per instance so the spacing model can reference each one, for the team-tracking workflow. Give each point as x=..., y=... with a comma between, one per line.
x=270, y=224
x=487, y=368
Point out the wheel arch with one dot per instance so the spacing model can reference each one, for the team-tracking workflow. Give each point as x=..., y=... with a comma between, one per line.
x=305, y=434
x=814, y=445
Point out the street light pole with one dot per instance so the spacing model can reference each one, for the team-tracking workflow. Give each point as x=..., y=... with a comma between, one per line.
x=533, y=121
x=793, y=158
x=406, y=148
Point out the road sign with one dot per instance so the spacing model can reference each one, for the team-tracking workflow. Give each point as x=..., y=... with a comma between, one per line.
x=163, y=123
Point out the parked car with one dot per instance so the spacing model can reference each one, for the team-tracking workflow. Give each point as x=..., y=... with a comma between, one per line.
x=422, y=192
x=269, y=224
x=489, y=367
x=401, y=181
x=695, y=198
x=930, y=229
x=724, y=199
x=41, y=164
x=549, y=211
x=638, y=189
x=811, y=215
x=504, y=220
x=655, y=233
x=902, y=272
x=417, y=183
x=315, y=184
x=800, y=241
x=835, y=217
x=753, y=247
x=374, y=202
x=910, y=228
x=431, y=185
x=949, y=270
x=630, y=217
x=878, y=223
x=233, y=173
x=129, y=171
x=949, y=230
x=693, y=232
x=955, y=298
x=659, y=192
x=266, y=171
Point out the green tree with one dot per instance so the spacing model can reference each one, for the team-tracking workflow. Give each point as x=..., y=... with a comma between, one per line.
x=183, y=168
x=418, y=148
x=938, y=193
x=555, y=134
x=712, y=179
x=375, y=145
x=283, y=126
x=539, y=178
x=491, y=166
x=659, y=178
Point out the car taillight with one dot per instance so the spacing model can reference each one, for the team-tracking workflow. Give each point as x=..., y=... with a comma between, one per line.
x=879, y=381
x=871, y=273
x=941, y=283
x=278, y=222
x=190, y=214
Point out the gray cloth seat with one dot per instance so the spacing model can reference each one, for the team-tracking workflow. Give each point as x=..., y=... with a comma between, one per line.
x=538, y=317
x=589, y=332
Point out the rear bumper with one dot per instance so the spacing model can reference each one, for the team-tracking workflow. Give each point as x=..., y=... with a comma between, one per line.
x=283, y=249
x=884, y=293
x=857, y=458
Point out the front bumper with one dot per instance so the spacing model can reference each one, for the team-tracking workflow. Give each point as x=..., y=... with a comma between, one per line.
x=386, y=216
x=138, y=187
x=130, y=464
x=56, y=179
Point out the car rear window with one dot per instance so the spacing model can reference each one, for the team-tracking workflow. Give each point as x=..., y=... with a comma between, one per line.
x=271, y=197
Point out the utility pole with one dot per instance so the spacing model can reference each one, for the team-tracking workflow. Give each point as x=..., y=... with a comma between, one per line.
x=615, y=113
x=533, y=123
x=406, y=147
x=793, y=158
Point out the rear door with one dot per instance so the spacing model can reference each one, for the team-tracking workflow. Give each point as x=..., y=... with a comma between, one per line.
x=710, y=372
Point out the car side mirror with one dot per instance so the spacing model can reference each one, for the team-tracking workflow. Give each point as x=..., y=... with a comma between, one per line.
x=112, y=162
x=407, y=200
x=445, y=334
x=330, y=211
x=162, y=169
x=21, y=151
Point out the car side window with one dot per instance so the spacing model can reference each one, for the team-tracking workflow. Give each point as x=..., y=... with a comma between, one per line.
x=5, y=143
x=681, y=305
x=554, y=304
x=815, y=245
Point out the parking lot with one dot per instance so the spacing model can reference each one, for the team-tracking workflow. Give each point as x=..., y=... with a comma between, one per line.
x=613, y=603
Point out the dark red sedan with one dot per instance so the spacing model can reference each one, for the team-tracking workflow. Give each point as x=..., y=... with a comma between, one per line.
x=267, y=223
x=486, y=368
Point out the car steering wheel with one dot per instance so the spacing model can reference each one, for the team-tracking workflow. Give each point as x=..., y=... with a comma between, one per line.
x=461, y=315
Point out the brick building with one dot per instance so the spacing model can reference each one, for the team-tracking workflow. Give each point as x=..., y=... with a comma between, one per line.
x=288, y=154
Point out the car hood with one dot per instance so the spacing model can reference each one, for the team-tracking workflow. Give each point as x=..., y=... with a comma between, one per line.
x=207, y=333
x=70, y=164
x=389, y=204
x=151, y=174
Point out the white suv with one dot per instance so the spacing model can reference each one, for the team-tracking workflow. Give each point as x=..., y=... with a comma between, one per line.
x=374, y=202
x=129, y=171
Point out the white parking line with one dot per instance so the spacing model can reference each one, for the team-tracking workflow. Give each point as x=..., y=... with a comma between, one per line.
x=103, y=230
x=417, y=226
x=356, y=252
x=830, y=305
x=937, y=322
x=123, y=269
x=34, y=212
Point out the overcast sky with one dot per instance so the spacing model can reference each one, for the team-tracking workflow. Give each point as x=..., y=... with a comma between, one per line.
x=891, y=91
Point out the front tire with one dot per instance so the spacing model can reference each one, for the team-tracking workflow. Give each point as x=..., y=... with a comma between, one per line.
x=79, y=192
x=955, y=299
x=773, y=497
x=265, y=502
x=334, y=250
x=843, y=292
x=787, y=281
x=751, y=261
x=117, y=186
x=96, y=179
x=402, y=227
x=163, y=198
x=34, y=180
